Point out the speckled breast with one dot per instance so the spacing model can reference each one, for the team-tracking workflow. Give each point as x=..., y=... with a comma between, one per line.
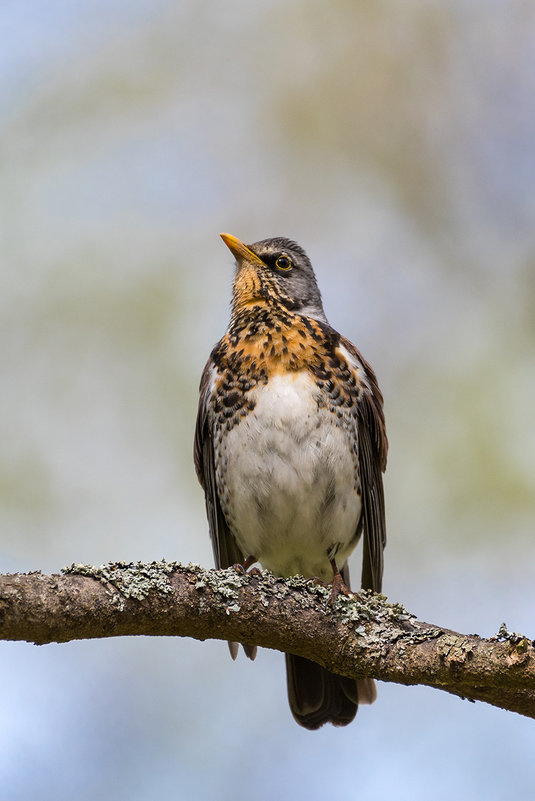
x=285, y=442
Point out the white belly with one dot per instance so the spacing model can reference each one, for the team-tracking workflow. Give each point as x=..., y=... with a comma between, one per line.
x=289, y=490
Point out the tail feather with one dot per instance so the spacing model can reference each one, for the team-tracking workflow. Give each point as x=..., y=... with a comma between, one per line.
x=367, y=691
x=250, y=650
x=317, y=696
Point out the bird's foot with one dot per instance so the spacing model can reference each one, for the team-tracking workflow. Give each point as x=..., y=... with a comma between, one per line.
x=339, y=586
x=244, y=570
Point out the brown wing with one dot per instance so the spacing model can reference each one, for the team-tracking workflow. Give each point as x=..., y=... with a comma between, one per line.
x=226, y=551
x=372, y=450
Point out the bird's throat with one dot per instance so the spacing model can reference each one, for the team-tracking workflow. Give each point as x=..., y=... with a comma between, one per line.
x=249, y=289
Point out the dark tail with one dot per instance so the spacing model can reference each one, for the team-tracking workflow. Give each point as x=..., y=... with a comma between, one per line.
x=317, y=696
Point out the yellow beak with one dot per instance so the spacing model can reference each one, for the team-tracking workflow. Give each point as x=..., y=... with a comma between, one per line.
x=240, y=251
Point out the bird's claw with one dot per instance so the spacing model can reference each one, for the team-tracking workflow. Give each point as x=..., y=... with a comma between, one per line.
x=243, y=569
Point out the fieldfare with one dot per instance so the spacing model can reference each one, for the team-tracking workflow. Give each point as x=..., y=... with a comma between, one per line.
x=290, y=446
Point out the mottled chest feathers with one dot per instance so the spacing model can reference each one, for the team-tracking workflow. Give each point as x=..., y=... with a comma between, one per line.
x=258, y=347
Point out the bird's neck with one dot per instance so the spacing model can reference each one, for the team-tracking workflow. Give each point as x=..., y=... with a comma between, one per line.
x=255, y=319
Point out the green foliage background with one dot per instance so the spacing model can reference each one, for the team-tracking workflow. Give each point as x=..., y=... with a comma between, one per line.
x=395, y=142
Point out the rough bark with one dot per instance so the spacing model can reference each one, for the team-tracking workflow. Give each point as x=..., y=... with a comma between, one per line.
x=358, y=636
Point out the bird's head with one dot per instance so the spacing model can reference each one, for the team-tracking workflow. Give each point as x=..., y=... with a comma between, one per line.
x=274, y=271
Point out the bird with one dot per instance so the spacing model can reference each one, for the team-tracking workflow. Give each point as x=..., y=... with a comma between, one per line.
x=290, y=449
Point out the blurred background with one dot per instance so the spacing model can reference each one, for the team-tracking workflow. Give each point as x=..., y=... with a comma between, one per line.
x=396, y=143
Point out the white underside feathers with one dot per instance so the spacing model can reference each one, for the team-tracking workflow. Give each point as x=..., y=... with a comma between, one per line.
x=286, y=477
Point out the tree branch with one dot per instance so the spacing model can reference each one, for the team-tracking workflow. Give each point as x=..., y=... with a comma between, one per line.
x=365, y=636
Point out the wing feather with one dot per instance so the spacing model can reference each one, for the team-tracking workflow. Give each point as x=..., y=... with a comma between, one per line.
x=226, y=551
x=372, y=453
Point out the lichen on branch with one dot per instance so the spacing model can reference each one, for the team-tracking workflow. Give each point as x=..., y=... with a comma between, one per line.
x=362, y=635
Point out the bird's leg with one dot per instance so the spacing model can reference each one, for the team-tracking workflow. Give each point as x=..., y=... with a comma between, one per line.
x=338, y=585
x=244, y=568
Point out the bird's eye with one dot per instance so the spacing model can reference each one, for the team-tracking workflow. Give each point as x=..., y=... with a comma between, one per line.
x=283, y=263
